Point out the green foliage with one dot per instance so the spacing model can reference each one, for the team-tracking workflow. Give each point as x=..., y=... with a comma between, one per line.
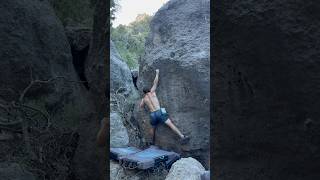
x=79, y=12
x=130, y=40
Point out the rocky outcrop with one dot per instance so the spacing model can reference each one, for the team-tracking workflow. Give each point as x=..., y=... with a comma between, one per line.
x=205, y=175
x=36, y=48
x=178, y=46
x=96, y=66
x=79, y=40
x=186, y=168
x=121, y=78
x=266, y=90
x=13, y=171
x=118, y=173
x=123, y=94
x=118, y=133
x=79, y=37
x=35, y=45
x=90, y=162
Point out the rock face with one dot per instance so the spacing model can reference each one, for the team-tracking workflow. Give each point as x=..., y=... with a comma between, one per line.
x=79, y=37
x=96, y=73
x=178, y=46
x=121, y=78
x=96, y=66
x=266, y=90
x=79, y=40
x=186, y=168
x=118, y=133
x=205, y=175
x=123, y=94
x=35, y=44
x=12, y=171
x=33, y=41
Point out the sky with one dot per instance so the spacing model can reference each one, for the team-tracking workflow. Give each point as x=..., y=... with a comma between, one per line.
x=129, y=9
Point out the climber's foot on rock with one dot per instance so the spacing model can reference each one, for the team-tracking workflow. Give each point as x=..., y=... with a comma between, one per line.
x=185, y=139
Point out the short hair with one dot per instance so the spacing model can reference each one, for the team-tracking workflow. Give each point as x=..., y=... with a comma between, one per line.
x=145, y=90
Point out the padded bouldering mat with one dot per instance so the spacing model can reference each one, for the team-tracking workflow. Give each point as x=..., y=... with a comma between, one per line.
x=116, y=153
x=151, y=157
x=135, y=158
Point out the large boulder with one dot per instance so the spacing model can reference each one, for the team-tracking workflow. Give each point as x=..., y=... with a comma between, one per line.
x=121, y=78
x=79, y=39
x=123, y=94
x=36, y=48
x=88, y=158
x=96, y=66
x=178, y=46
x=266, y=90
x=118, y=133
x=186, y=168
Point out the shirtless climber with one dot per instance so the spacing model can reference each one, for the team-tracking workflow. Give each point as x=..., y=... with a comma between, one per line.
x=157, y=114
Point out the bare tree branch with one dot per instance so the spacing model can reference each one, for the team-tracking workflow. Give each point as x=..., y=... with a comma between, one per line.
x=15, y=130
x=37, y=81
x=8, y=122
x=27, y=139
x=45, y=115
x=48, y=148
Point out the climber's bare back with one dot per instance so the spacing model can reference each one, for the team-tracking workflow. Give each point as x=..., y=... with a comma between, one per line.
x=151, y=100
x=156, y=115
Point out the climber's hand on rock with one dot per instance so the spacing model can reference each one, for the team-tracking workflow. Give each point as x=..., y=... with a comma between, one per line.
x=157, y=71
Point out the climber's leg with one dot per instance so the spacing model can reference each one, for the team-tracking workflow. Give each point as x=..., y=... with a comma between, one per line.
x=152, y=133
x=153, y=123
x=174, y=128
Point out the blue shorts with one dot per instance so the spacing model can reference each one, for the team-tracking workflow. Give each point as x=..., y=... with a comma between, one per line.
x=158, y=116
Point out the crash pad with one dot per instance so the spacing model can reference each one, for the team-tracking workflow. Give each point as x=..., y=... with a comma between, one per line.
x=151, y=157
x=116, y=153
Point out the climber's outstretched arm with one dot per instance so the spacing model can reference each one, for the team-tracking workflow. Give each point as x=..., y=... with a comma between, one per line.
x=155, y=82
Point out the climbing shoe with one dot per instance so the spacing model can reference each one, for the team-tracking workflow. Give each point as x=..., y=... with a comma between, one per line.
x=185, y=140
